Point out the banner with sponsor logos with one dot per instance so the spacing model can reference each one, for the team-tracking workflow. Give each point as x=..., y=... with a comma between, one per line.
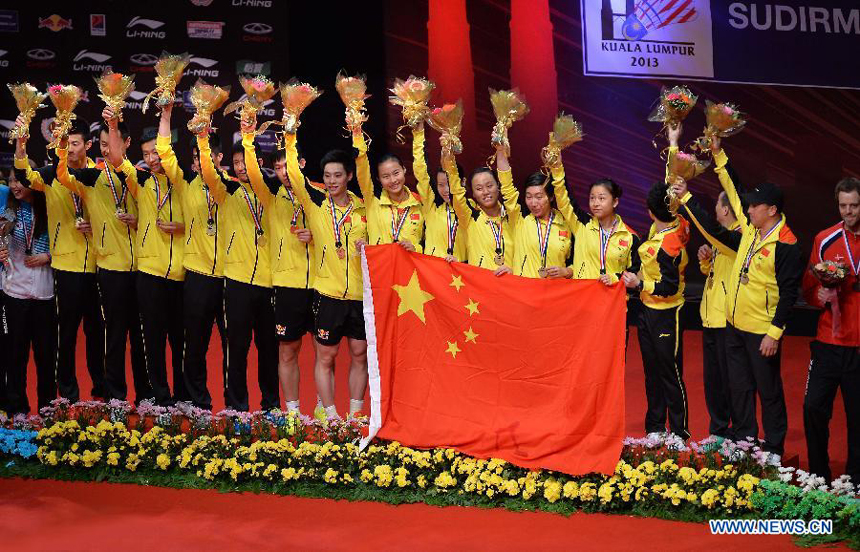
x=76, y=44
x=796, y=43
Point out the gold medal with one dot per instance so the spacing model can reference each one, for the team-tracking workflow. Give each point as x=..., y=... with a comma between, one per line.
x=499, y=259
x=79, y=221
x=542, y=272
x=341, y=253
x=745, y=279
x=261, y=239
x=120, y=211
x=210, y=228
x=710, y=282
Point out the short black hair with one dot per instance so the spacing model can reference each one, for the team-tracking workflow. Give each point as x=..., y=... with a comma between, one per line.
x=281, y=154
x=390, y=157
x=538, y=179
x=123, y=129
x=239, y=148
x=847, y=185
x=656, y=202
x=611, y=186
x=338, y=156
x=214, y=144
x=149, y=134
x=82, y=127
x=460, y=171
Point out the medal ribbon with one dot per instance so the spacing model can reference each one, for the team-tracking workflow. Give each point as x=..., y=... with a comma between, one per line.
x=117, y=199
x=452, y=227
x=28, y=232
x=543, y=240
x=855, y=266
x=759, y=239
x=397, y=222
x=604, y=244
x=498, y=232
x=297, y=209
x=79, y=205
x=210, y=204
x=336, y=222
x=256, y=213
x=160, y=201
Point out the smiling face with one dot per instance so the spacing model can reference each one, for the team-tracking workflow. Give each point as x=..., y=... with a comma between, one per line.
x=760, y=214
x=537, y=201
x=78, y=147
x=336, y=178
x=392, y=176
x=104, y=148
x=485, y=189
x=19, y=191
x=849, y=208
x=601, y=202
x=239, y=166
x=150, y=156
x=442, y=187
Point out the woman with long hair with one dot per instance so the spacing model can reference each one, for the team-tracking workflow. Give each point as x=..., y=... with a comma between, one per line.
x=28, y=306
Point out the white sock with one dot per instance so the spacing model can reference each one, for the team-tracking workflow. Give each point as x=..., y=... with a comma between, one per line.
x=293, y=406
x=355, y=406
x=331, y=412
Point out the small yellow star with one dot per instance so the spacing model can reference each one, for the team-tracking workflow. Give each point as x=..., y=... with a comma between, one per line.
x=470, y=335
x=456, y=282
x=472, y=307
x=412, y=297
x=453, y=349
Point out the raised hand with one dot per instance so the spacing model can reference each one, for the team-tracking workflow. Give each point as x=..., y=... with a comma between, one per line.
x=705, y=253
x=673, y=134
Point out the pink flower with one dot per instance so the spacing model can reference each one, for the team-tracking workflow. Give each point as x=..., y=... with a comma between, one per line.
x=54, y=90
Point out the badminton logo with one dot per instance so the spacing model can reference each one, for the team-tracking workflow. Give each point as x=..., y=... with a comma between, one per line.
x=641, y=17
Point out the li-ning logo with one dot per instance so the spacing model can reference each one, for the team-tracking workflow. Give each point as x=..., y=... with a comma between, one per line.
x=205, y=69
x=253, y=3
x=133, y=32
x=643, y=16
x=99, y=60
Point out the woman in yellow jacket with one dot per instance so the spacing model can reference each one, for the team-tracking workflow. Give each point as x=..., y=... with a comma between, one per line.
x=486, y=224
x=441, y=236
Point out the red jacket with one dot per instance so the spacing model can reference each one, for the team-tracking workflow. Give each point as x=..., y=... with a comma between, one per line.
x=830, y=245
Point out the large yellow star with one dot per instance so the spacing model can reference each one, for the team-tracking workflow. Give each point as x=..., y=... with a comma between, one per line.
x=470, y=335
x=456, y=282
x=453, y=349
x=412, y=297
x=472, y=307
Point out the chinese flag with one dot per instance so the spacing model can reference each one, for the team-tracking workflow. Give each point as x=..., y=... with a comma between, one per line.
x=527, y=370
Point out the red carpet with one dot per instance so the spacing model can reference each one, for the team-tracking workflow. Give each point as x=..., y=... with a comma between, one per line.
x=795, y=361
x=53, y=515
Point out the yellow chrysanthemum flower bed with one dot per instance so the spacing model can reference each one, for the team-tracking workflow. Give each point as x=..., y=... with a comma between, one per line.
x=389, y=468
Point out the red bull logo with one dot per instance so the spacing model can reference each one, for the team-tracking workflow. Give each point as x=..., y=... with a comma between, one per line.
x=55, y=23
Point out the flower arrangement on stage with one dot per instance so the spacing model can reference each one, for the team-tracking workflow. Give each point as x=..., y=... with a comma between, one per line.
x=65, y=98
x=258, y=90
x=293, y=454
x=509, y=106
x=206, y=99
x=168, y=69
x=565, y=132
x=28, y=99
x=114, y=88
x=448, y=121
x=721, y=119
x=412, y=96
x=353, y=93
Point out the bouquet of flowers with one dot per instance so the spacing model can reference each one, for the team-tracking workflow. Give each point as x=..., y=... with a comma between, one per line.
x=206, y=98
x=65, y=98
x=722, y=119
x=258, y=90
x=168, y=71
x=448, y=120
x=675, y=104
x=295, y=96
x=831, y=275
x=509, y=106
x=412, y=95
x=28, y=99
x=353, y=92
x=114, y=88
x=565, y=132
x=684, y=166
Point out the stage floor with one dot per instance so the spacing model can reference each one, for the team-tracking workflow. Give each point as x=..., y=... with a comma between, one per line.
x=795, y=361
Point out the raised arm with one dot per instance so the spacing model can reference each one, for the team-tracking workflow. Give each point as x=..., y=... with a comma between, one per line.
x=458, y=192
x=294, y=172
x=727, y=241
x=252, y=166
x=570, y=210
x=211, y=178
x=509, y=194
x=728, y=179
x=362, y=167
x=34, y=179
x=419, y=167
x=174, y=172
x=77, y=182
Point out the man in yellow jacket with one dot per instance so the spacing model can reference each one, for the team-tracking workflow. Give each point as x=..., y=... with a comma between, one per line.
x=74, y=262
x=160, y=272
x=113, y=216
x=763, y=285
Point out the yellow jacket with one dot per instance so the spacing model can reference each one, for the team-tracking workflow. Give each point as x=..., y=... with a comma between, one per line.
x=292, y=261
x=440, y=220
x=70, y=250
x=101, y=189
x=246, y=223
x=664, y=258
x=202, y=253
x=771, y=265
x=622, y=250
x=158, y=253
x=383, y=214
x=481, y=230
x=718, y=270
x=335, y=277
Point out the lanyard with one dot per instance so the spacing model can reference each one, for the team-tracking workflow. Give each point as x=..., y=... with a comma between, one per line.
x=256, y=212
x=28, y=232
x=855, y=266
x=498, y=235
x=159, y=200
x=79, y=205
x=117, y=199
x=759, y=239
x=337, y=222
x=604, y=244
x=210, y=204
x=451, y=228
x=543, y=240
x=397, y=222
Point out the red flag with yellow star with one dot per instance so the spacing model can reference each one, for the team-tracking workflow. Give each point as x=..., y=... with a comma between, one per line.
x=527, y=370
